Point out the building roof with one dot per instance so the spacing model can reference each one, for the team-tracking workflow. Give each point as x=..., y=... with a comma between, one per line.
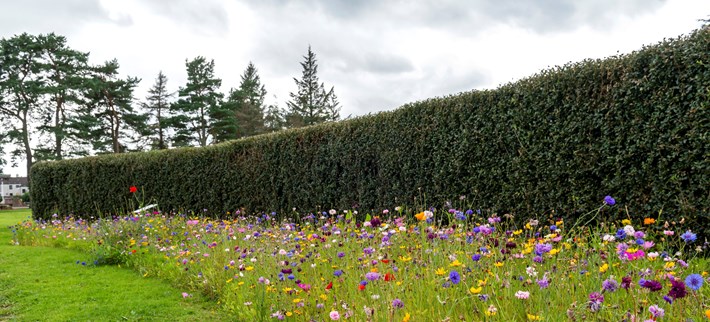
x=7, y=179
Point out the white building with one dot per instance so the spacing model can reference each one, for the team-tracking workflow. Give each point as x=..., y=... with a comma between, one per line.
x=12, y=186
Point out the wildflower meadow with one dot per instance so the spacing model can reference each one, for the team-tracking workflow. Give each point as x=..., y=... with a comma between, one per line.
x=404, y=264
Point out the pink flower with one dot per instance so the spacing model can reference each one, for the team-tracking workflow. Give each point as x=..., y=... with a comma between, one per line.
x=193, y=222
x=334, y=315
x=522, y=295
x=185, y=295
x=634, y=255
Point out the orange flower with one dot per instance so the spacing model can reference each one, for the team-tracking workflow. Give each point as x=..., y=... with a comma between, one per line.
x=649, y=221
x=420, y=216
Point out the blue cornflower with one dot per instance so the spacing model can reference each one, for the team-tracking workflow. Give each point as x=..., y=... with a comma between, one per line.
x=694, y=281
x=620, y=234
x=455, y=277
x=460, y=215
x=476, y=257
x=609, y=201
x=688, y=237
x=553, y=227
x=338, y=273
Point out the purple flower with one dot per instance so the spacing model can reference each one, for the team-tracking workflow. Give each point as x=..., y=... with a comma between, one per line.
x=372, y=276
x=656, y=311
x=651, y=285
x=595, y=301
x=626, y=282
x=397, y=304
x=476, y=257
x=341, y=254
x=543, y=283
x=610, y=285
x=609, y=201
x=678, y=290
x=454, y=277
x=338, y=273
x=542, y=249
x=694, y=281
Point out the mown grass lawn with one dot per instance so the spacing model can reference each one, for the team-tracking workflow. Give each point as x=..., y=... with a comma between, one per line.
x=47, y=284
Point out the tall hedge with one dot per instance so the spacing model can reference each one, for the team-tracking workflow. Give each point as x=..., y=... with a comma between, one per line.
x=636, y=127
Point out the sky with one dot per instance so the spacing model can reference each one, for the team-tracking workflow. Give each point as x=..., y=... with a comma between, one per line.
x=377, y=54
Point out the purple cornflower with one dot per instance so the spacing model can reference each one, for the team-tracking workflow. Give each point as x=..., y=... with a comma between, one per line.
x=542, y=249
x=688, y=237
x=678, y=290
x=656, y=311
x=543, y=283
x=341, y=254
x=372, y=276
x=651, y=285
x=338, y=273
x=397, y=304
x=626, y=282
x=595, y=301
x=455, y=277
x=476, y=257
x=694, y=281
x=368, y=250
x=610, y=285
x=609, y=201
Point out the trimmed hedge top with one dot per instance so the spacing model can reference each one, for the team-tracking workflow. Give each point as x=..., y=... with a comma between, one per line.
x=636, y=127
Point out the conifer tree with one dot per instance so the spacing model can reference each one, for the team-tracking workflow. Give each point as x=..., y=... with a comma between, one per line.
x=198, y=114
x=311, y=104
x=247, y=103
x=158, y=104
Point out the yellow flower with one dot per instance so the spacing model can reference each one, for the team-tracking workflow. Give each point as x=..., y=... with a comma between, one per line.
x=475, y=290
x=669, y=265
x=323, y=297
x=498, y=264
x=250, y=268
x=604, y=268
x=482, y=282
x=534, y=317
x=289, y=313
x=296, y=301
x=518, y=232
x=440, y=271
x=626, y=222
x=406, y=317
x=707, y=313
x=455, y=263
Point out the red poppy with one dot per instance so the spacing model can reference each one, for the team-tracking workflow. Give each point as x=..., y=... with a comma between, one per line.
x=330, y=285
x=386, y=261
x=361, y=287
x=389, y=277
x=133, y=189
x=133, y=251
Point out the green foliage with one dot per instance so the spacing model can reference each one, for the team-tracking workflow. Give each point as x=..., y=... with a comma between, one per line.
x=247, y=104
x=634, y=127
x=198, y=112
x=158, y=104
x=312, y=104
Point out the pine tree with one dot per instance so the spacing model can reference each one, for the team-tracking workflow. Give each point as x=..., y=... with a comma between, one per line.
x=198, y=113
x=274, y=118
x=247, y=102
x=65, y=74
x=21, y=89
x=110, y=115
x=158, y=104
x=312, y=104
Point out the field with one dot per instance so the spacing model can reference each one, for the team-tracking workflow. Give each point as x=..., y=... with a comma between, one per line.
x=399, y=265
x=45, y=284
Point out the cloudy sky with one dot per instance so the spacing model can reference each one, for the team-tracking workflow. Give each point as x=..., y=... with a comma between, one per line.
x=378, y=54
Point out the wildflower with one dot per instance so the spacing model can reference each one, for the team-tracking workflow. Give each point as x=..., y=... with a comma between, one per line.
x=334, y=315
x=620, y=234
x=475, y=290
x=522, y=295
x=372, y=276
x=491, y=310
x=476, y=257
x=406, y=317
x=338, y=273
x=688, y=237
x=610, y=285
x=694, y=281
x=133, y=189
x=604, y=268
x=651, y=285
x=534, y=317
x=609, y=201
x=543, y=283
x=707, y=313
x=677, y=289
x=595, y=301
x=656, y=311
x=454, y=277
x=185, y=295
x=440, y=271
x=397, y=304
x=626, y=282
x=649, y=221
x=389, y=277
